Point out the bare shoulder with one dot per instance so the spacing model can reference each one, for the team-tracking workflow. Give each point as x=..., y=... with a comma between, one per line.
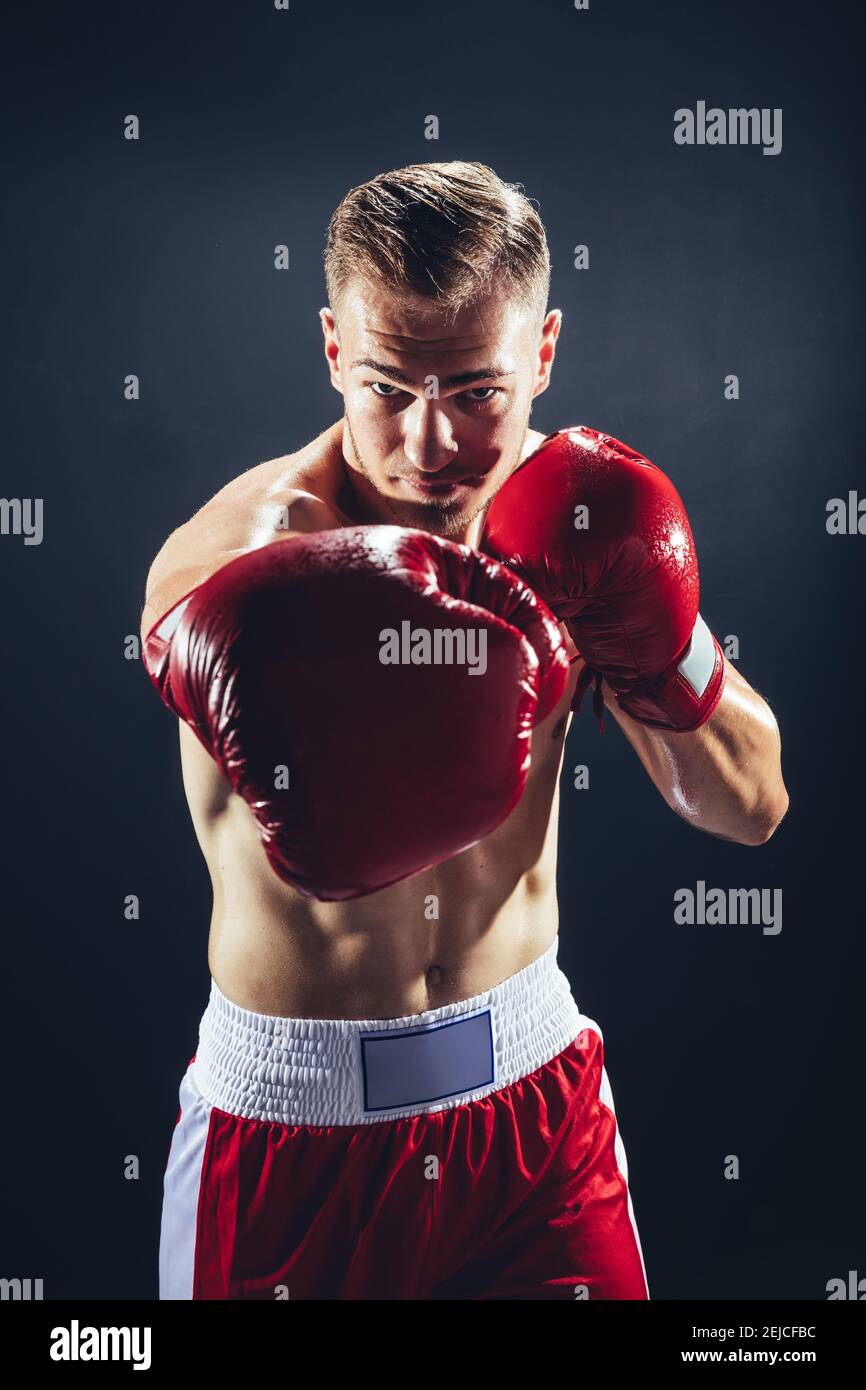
x=273, y=500
x=312, y=469
x=534, y=438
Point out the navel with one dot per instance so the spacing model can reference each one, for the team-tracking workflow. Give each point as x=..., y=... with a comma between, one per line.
x=433, y=976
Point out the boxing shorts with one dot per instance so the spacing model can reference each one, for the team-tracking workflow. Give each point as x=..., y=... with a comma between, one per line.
x=468, y=1152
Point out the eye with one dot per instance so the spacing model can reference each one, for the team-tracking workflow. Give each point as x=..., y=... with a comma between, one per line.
x=383, y=389
x=476, y=399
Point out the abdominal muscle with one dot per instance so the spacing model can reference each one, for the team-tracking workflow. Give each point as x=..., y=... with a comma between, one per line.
x=446, y=934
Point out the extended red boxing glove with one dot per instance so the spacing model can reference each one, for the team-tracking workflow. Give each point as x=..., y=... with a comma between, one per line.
x=622, y=575
x=395, y=763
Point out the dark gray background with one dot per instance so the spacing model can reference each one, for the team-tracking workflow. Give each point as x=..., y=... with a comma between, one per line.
x=156, y=258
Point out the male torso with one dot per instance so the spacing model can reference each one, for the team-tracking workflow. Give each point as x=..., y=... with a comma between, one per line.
x=443, y=935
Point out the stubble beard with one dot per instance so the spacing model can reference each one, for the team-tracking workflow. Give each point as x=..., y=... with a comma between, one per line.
x=437, y=517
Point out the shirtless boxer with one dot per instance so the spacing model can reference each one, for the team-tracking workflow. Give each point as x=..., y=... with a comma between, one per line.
x=394, y=1094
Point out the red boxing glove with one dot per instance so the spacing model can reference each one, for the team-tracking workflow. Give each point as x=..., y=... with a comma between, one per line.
x=313, y=661
x=623, y=574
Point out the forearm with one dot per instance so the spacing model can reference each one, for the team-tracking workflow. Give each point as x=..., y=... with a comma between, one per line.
x=724, y=778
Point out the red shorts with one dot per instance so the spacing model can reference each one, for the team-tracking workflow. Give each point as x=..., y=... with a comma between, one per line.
x=468, y=1152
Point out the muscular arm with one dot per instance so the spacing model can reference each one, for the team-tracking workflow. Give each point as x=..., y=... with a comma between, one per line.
x=273, y=501
x=203, y=545
x=726, y=777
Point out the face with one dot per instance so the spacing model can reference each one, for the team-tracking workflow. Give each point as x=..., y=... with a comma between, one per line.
x=436, y=407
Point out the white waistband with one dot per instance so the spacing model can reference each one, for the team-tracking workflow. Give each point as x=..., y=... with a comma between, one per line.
x=356, y=1071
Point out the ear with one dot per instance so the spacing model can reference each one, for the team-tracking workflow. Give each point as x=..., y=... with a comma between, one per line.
x=547, y=350
x=332, y=347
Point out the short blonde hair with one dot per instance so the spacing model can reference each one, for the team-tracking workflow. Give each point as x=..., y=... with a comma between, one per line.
x=446, y=232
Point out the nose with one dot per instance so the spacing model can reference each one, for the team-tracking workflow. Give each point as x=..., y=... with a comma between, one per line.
x=429, y=443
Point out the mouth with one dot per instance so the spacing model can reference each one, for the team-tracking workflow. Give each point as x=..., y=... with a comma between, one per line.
x=438, y=488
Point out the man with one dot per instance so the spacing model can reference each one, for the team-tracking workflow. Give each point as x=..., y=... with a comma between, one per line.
x=394, y=1093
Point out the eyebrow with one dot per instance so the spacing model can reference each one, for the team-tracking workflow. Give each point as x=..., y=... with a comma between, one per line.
x=458, y=379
